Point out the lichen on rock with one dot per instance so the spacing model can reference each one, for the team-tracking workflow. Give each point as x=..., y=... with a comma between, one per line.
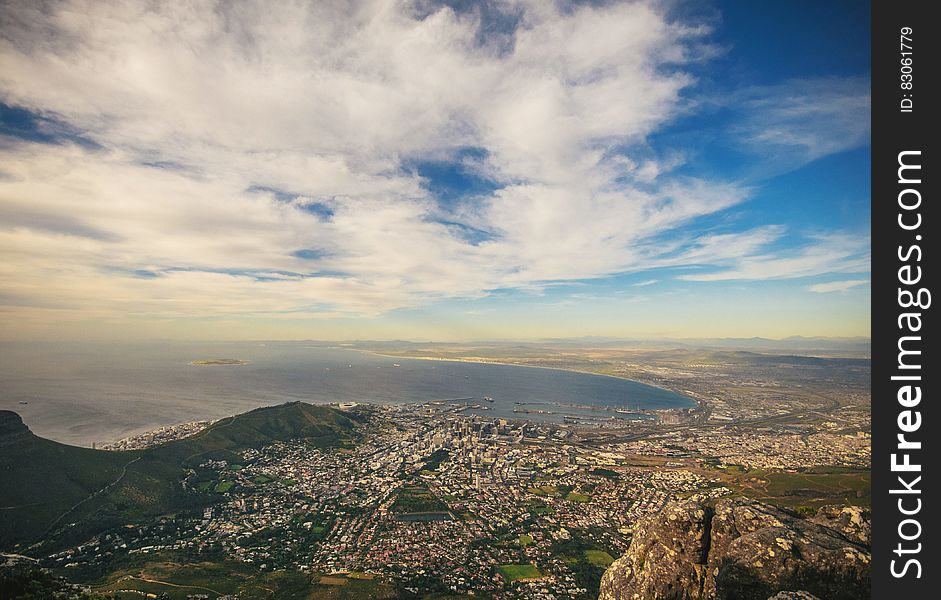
x=741, y=549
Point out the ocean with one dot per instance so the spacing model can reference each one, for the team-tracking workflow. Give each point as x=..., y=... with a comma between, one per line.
x=97, y=393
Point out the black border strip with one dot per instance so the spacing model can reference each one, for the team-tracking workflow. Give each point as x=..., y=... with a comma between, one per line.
x=900, y=124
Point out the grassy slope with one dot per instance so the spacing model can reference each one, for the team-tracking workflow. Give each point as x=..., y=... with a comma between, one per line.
x=40, y=479
x=47, y=486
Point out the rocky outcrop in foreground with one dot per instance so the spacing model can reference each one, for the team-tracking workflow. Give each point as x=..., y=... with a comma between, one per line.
x=743, y=550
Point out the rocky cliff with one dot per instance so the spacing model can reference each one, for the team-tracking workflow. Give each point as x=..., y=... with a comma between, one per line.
x=743, y=550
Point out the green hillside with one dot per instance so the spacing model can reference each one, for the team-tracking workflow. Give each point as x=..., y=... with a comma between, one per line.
x=41, y=479
x=52, y=491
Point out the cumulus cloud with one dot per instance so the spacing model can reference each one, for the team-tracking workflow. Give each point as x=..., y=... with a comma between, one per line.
x=253, y=158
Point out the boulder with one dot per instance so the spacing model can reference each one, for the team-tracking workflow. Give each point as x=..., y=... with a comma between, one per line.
x=741, y=549
x=855, y=522
x=666, y=559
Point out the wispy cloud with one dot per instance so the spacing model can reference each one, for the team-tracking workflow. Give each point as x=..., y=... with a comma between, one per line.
x=832, y=253
x=837, y=286
x=795, y=122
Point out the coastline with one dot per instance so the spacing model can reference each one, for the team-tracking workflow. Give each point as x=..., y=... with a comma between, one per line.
x=697, y=402
x=107, y=422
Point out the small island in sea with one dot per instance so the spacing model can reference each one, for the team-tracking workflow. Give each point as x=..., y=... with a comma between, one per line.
x=216, y=362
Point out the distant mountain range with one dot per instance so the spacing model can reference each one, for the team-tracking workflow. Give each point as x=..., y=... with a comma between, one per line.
x=846, y=346
x=52, y=491
x=789, y=344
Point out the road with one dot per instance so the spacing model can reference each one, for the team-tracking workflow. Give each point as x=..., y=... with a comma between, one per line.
x=92, y=495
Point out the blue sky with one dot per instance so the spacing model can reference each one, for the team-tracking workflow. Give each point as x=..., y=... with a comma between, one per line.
x=429, y=170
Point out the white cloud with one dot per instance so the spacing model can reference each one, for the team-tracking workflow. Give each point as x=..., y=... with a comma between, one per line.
x=198, y=109
x=796, y=122
x=833, y=253
x=837, y=286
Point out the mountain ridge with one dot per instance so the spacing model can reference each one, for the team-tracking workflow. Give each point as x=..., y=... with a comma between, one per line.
x=56, y=493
